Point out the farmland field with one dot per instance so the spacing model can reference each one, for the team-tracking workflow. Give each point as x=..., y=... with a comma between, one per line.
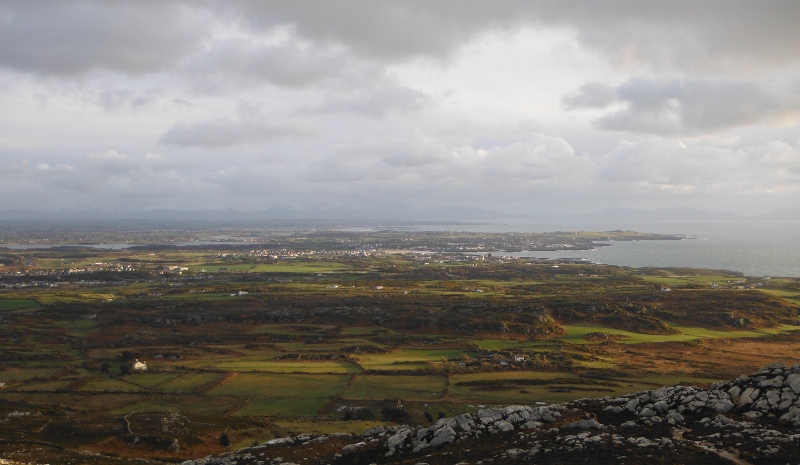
x=190, y=382
x=308, y=337
x=110, y=385
x=282, y=385
x=17, y=304
x=380, y=387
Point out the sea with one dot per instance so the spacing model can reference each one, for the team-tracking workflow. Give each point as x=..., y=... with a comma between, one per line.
x=752, y=248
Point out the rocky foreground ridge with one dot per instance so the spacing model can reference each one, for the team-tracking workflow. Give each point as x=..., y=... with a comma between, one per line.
x=750, y=420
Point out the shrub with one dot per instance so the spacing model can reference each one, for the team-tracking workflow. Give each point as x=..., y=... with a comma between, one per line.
x=394, y=414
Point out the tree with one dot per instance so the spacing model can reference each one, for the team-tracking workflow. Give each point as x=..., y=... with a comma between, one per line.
x=224, y=440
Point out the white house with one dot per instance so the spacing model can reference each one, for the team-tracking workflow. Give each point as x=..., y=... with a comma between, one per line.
x=140, y=366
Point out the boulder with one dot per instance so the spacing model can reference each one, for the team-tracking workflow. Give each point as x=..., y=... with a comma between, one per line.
x=748, y=396
x=352, y=447
x=632, y=404
x=397, y=439
x=504, y=426
x=792, y=416
x=723, y=406
x=276, y=441
x=774, y=366
x=585, y=424
x=661, y=406
x=734, y=392
x=793, y=380
x=773, y=397
x=464, y=422
x=646, y=412
x=444, y=435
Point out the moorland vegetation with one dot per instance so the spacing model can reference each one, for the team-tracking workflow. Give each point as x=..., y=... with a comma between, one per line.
x=325, y=332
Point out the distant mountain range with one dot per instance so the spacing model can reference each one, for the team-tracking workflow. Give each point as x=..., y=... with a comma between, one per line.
x=399, y=215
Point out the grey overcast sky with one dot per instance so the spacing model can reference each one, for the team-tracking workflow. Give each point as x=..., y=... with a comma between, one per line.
x=515, y=106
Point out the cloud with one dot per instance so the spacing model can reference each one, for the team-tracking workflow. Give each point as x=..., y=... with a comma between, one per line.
x=73, y=37
x=285, y=63
x=376, y=100
x=686, y=106
x=420, y=161
x=398, y=99
x=655, y=164
x=227, y=132
x=738, y=37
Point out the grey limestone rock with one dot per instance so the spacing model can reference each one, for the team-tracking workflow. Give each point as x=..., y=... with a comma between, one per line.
x=464, y=422
x=773, y=366
x=504, y=426
x=734, y=392
x=773, y=397
x=675, y=417
x=397, y=439
x=748, y=396
x=792, y=416
x=585, y=424
x=352, y=447
x=646, y=412
x=794, y=382
x=374, y=432
x=661, y=406
x=723, y=406
x=277, y=441
x=632, y=404
x=444, y=435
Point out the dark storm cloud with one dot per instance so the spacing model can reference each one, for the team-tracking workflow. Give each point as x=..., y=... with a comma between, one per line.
x=686, y=106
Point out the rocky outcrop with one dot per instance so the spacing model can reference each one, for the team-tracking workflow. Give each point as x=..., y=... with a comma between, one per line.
x=448, y=430
x=772, y=391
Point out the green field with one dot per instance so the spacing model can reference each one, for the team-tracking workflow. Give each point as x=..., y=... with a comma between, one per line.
x=500, y=344
x=190, y=382
x=298, y=267
x=150, y=380
x=283, y=406
x=531, y=387
x=577, y=332
x=24, y=374
x=265, y=385
x=181, y=404
x=44, y=386
x=110, y=385
x=792, y=296
x=17, y=304
x=379, y=387
x=304, y=366
x=407, y=359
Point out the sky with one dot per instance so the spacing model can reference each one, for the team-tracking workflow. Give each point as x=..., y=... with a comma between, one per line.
x=399, y=105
